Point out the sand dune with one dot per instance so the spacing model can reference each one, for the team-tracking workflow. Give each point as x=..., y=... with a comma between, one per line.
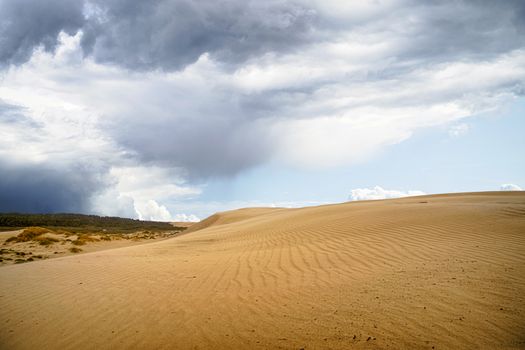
x=230, y=217
x=442, y=272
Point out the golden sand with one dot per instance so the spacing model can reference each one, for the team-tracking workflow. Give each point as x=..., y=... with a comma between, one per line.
x=442, y=272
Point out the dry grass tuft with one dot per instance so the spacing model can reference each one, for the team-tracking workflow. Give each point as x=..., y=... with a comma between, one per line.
x=75, y=250
x=64, y=232
x=44, y=240
x=33, y=234
x=83, y=239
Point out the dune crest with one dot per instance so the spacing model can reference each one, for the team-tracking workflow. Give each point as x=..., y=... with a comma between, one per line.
x=228, y=217
x=442, y=272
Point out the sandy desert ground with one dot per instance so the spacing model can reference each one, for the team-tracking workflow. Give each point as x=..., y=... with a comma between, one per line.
x=70, y=244
x=432, y=272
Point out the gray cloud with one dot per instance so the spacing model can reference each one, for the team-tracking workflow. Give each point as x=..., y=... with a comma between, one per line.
x=50, y=185
x=12, y=114
x=44, y=188
x=28, y=24
x=447, y=30
x=170, y=34
x=218, y=138
x=144, y=35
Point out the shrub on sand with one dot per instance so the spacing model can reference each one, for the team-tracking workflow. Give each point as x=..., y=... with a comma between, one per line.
x=34, y=233
x=44, y=240
x=64, y=232
x=83, y=239
x=11, y=239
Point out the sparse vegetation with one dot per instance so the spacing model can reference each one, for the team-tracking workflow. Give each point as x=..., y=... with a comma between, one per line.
x=29, y=234
x=35, y=234
x=44, y=240
x=61, y=239
x=77, y=223
x=83, y=239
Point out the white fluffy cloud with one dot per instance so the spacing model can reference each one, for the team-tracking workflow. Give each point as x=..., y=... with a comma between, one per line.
x=510, y=187
x=185, y=218
x=143, y=183
x=378, y=192
x=137, y=191
x=151, y=210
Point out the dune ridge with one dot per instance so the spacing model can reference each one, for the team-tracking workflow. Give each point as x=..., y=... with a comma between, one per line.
x=229, y=217
x=441, y=271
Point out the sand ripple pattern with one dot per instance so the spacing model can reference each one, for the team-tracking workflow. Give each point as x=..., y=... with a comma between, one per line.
x=442, y=272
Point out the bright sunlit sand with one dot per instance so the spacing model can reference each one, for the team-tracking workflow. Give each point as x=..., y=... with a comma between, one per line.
x=442, y=272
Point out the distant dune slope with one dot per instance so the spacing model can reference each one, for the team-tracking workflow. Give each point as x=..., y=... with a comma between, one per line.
x=231, y=216
x=442, y=272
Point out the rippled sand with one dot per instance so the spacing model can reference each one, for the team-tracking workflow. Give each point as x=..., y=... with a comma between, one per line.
x=444, y=271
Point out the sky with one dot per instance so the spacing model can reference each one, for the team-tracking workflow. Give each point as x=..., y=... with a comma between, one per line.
x=174, y=109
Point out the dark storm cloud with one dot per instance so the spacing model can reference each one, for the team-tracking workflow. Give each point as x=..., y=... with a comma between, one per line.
x=170, y=34
x=46, y=188
x=143, y=35
x=53, y=186
x=28, y=24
